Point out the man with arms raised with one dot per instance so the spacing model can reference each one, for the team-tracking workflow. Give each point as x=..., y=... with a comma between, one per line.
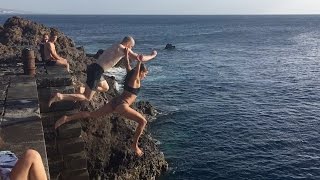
x=109, y=58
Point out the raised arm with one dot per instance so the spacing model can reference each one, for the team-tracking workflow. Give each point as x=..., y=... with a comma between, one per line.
x=137, y=70
x=142, y=57
x=127, y=60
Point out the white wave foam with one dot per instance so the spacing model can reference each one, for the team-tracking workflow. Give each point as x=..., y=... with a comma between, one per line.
x=117, y=72
x=154, y=68
x=168, y=109
x=155, y=78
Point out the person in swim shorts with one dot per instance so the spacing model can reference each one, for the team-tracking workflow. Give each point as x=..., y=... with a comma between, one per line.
x=95, y=81
x=121, y=104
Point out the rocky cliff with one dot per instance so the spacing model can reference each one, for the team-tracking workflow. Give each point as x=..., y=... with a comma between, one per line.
x=107, y=139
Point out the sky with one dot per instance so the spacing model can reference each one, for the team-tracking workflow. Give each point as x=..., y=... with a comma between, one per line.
x=165, y=7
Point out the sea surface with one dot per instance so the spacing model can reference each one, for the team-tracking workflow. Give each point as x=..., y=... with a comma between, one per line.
x=239, y=96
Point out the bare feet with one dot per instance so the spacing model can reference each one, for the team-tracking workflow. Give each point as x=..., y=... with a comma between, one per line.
x=81, y=90
x=137, y=150
x=54, y=99
x=60, y=121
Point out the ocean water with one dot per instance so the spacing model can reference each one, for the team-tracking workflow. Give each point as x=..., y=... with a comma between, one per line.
x=239, y=96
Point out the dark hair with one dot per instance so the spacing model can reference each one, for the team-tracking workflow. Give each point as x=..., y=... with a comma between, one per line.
x=128, y=76
x=53, y=33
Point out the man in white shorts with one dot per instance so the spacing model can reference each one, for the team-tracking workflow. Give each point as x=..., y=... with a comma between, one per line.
x=109, y=58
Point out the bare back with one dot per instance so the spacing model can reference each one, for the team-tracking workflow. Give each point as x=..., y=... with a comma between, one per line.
x=111, y=56
x=49, y=51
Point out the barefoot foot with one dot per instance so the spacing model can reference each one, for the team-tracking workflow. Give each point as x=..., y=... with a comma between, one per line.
x=60, y=121
x=81, y=90
x=137, y=150
x=53, y=99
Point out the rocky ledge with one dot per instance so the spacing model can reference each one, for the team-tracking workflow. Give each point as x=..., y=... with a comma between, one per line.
x=107, y=139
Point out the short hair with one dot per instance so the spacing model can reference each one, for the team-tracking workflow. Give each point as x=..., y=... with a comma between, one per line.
x=128, y=39
x=53, y=33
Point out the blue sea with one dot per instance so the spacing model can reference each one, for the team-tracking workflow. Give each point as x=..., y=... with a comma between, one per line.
x=239, y=96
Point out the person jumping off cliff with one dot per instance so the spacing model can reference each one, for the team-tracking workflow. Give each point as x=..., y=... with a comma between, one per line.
x=121, y=104
x=95, y=81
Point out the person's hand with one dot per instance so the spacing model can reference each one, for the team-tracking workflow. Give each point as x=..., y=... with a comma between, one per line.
x=154, y=53
x=140, y=57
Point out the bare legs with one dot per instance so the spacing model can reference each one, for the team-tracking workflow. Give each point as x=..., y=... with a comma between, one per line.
x=123, y=109
x=103, y=86
x=106, y=109
x=130, y=113
x=29, y=167
x=85, y=96
x=63, y=62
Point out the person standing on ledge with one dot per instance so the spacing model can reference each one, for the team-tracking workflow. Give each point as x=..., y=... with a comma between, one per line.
x=95, y=81
x=121, y=104
x=50, y=53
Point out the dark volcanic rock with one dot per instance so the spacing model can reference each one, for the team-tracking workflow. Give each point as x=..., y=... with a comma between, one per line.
x=99, y=52
x=170, y=47
x=18, y=33
x=147, y=109
x=107, y=139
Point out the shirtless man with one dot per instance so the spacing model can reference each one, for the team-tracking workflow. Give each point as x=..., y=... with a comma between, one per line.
x=50, y=53
x=109, y=58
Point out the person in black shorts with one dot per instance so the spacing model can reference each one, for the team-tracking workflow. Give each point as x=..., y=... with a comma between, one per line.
x=95, y=82
x=94, y=76
x=120, y=104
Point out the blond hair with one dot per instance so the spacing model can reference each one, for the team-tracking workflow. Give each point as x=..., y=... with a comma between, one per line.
x=127, y=39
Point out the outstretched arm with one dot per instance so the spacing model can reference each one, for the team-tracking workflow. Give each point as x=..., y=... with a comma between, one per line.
x=142, y=57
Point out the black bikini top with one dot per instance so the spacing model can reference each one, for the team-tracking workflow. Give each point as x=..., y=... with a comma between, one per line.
x=131, y=89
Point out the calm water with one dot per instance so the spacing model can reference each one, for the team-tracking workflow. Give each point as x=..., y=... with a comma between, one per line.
x=239, y=95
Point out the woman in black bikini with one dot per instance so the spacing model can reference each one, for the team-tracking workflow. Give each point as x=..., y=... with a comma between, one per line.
x=121, y=104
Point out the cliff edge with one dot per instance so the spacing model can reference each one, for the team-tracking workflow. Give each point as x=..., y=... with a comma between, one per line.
x=107, y=139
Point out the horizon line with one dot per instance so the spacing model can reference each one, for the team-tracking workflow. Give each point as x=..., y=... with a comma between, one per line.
x=266, y=14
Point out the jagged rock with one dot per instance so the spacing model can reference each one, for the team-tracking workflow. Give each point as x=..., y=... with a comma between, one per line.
x=99, y=52
x=107, y=139
x=146, y=108
x=170, y=47
x=20, y=33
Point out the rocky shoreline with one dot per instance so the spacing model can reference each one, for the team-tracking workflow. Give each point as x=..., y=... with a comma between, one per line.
x=107, y=139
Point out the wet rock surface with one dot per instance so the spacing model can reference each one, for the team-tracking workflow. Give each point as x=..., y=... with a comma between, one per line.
x=107, y=139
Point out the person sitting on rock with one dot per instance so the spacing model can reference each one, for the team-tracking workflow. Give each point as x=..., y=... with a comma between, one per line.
x=121, y=104
x=45, y=39
x=50, y=54
x=95, y=80
x=28, y=167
